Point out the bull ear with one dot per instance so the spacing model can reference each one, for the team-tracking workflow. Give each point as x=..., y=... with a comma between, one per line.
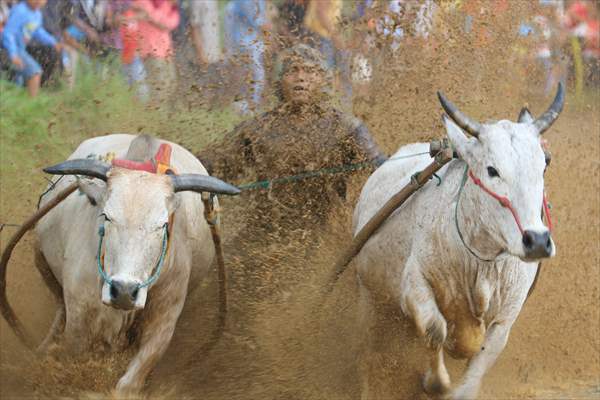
x=93, y=189
x=460, y=142
x=202, y=183
x=525, y=116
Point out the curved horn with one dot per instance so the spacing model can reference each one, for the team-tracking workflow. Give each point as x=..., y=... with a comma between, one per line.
x=525, y=116
x=546, y=120
x=466, y=123
x=202, y=183
x=85, y=166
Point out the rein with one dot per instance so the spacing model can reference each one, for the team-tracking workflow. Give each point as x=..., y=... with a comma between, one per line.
x=157, y=269
x=504, y=202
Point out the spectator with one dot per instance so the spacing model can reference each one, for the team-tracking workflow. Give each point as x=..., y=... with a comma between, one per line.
x=582, y=21
x=89, y=32
x=24, y=24
x=149, y=24
x=205, y=31
x=5, y=6
x=5, y=69
x=322, y=21
x=291, y=17
x=245, y=21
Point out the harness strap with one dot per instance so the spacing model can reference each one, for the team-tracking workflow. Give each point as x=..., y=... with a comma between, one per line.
x=504, y=201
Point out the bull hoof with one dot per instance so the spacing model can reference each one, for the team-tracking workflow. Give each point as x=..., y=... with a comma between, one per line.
x=464, y=392
x=434, y=384
x=126, y=390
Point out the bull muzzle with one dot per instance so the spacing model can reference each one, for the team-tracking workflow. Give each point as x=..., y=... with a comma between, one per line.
x=537, y=245
x=124, y=295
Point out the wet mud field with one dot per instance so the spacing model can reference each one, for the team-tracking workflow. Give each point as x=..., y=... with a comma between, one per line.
x=293, y=344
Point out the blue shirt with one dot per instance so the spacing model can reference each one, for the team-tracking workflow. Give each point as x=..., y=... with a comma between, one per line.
x=246, y=18
x=24, y=24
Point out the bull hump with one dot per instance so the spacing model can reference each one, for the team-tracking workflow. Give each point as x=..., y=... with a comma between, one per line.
x=142, y=148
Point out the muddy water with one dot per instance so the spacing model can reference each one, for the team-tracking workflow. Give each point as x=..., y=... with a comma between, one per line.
x=293, y=345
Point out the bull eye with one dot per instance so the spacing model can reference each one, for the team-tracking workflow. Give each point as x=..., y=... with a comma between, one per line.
x=105, y=217
x=492, y=172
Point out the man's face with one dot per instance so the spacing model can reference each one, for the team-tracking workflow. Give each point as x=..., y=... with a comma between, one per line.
x=301, y=83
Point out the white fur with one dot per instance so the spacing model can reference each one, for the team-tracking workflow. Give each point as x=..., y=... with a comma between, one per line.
x=418, y=262
x=138, y=204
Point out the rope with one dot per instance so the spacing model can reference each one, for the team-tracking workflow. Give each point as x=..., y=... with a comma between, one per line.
x=460, y=235
x=159, y=263
x=52, y=186
x=265, y=184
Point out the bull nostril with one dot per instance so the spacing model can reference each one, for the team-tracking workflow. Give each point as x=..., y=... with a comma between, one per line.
x=134, y=293
x=549, y=243
x=527, y=240
x=113, y=292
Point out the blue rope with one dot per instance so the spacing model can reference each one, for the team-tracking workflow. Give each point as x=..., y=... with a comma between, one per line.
x=158, y=267
x=460, y=235
x=265, y=184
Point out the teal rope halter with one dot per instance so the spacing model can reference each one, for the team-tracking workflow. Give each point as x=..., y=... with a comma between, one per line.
x=158, y=267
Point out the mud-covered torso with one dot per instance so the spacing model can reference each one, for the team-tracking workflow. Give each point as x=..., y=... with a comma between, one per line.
x=283, y=147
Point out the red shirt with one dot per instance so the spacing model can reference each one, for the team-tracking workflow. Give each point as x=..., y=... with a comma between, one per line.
x=153, y=41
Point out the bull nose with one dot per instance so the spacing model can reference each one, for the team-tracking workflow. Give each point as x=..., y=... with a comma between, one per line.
x=537, y=244
x=123, y=294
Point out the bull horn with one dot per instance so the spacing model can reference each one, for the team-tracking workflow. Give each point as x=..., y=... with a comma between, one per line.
x=202, y=183
x=546, y=120
x=466, y=123
x=85, y=166
x=525, y=116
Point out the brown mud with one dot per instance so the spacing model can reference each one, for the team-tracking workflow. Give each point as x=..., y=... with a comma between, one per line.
x=291, y=344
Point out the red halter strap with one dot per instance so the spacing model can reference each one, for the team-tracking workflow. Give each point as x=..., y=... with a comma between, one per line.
x=505, y=202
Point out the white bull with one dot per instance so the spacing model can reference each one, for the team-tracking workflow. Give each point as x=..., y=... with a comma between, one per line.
x=143, y=219
x=456, y=261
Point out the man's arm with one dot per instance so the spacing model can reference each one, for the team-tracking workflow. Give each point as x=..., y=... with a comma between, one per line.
x=364, y=141
x=11, y=31
x=44, y=37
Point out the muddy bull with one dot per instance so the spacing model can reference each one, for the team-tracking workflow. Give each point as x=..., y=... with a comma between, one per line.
x=126, y=250
x=460, y=257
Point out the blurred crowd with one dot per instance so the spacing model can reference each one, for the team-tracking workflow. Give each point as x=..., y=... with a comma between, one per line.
x=163, y=45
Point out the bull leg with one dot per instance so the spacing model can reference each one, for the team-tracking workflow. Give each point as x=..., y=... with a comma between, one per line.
x=436, y=379
x=494, y=343
x=76, y=338
x=58, y=326
x=418, y=302
x=157, y=330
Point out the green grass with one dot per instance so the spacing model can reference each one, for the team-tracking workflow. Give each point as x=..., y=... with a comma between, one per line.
x=45, y=130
